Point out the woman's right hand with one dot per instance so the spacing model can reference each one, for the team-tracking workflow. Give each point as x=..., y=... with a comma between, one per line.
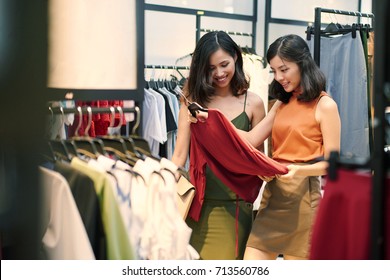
x=266, y=178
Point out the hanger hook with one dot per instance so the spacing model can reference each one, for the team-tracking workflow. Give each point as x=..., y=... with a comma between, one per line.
x=112, y=121
x=80, y=120
x=86, y=131
x=137, y=120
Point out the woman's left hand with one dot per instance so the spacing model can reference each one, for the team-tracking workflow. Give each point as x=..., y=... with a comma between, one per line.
x=286, y=178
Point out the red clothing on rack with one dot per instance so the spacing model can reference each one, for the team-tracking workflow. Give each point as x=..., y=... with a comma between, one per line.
x=100, y=121
x=237, y=163
x=343, y=223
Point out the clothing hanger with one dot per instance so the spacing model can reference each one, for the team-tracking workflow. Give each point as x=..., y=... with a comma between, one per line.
x=58, y=146
x=193, y=107
x=85, y=145
x=116, y=144
x=141, y=145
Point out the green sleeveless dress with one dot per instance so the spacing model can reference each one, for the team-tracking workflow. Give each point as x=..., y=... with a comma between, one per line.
x=226, y=220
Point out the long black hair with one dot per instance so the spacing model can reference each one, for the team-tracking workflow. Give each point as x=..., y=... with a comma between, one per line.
x=199, y=85
x=293, y=48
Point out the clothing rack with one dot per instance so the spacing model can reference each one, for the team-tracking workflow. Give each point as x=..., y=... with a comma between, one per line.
x=229, y=32
x=93, y=110
x=172, y=67
x=101, y=110
x=379, y=164
x=167, y=67
x=317, y=26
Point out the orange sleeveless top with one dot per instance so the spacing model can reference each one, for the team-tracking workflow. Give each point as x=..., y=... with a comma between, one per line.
x=296, y=135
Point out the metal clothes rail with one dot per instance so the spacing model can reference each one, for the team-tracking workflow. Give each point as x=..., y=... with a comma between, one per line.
x=317, y=26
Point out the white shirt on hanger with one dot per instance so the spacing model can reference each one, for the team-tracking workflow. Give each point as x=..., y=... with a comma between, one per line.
x=65, y=236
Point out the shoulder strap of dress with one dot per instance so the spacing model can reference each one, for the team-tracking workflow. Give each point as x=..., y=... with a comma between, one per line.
x=246, y=94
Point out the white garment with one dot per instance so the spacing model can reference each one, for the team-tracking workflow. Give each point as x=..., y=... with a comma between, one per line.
x=65, y=237
x=181, y=232
x=173, y=134
x=151, y=122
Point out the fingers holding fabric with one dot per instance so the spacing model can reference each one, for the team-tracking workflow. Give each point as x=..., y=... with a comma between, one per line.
x=200, y=116
x=266, y=178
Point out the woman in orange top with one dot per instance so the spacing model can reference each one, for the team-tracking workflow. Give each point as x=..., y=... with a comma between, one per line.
x=305, y=130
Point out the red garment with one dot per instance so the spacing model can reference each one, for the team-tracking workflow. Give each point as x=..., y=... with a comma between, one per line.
x=342, y=227
x=232, y=159
x=100, y=121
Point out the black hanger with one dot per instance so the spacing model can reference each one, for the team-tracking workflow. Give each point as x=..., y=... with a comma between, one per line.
x=118, y=145
x=140, y=143
x=332, y=28
x=354, y=27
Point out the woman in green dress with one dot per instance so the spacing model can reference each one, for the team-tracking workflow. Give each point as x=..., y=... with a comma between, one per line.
x=217, y=80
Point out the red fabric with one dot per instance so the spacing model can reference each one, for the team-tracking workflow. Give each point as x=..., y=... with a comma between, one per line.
x=233, y=160
x=342, y=227
x=100, y=122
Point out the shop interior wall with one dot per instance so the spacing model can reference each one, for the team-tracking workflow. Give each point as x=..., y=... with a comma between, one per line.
x=170, y=36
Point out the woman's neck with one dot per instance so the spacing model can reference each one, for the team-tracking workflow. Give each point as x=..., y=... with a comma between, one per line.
x=223, y=92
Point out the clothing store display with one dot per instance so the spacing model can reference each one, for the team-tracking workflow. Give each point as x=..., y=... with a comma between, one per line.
x=118, y=243
x=100, y=122
x=293, y=205
x=342, y=227
x=159, y=120
x=163, y=234
x=87, y=202
x=344, y=65
x=124, y=212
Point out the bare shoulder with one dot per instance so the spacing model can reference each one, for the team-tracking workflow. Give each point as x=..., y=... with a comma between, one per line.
x=327, y=104
x=254, y=100
x=327, y=109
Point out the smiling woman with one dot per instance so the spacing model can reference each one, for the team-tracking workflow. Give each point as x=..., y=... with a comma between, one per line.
x=305, y=130
x=216, y=80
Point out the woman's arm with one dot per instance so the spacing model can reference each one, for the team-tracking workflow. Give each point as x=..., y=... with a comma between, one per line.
x=255, y=109
x=263, y=129
x=183, y=138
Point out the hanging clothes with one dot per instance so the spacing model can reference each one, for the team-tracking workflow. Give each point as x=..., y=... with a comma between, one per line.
x=342, y=227
x=154, y=121
x=118, y=243
x=87, y=202
x=64, y=234
x=343, y=62
x=100, y=122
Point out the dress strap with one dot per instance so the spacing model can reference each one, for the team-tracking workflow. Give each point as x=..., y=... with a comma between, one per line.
x=246, y=94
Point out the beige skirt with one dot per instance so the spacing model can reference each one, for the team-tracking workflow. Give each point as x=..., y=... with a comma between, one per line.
x=284, y=221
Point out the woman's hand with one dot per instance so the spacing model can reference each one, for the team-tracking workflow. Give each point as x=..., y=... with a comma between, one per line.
x=292, y=170
x=200, y=116
x=266, y=178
